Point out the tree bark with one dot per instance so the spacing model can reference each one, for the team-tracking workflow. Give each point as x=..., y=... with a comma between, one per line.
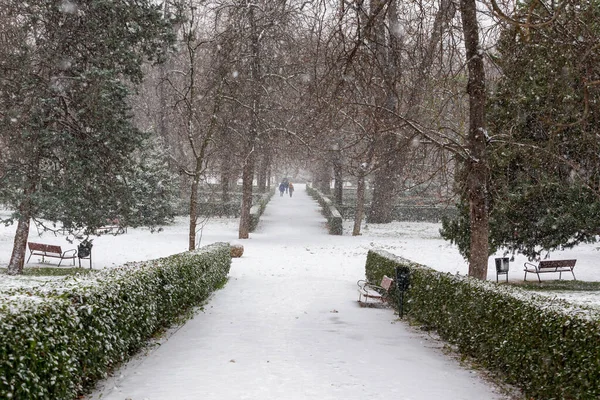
x=388, y=165
x=193, y=214
x=360, y=205
x=262, y=178
x=477, y=172
x=225, y=181
x=339, y=179
x=247, y=177
x=248, y=169
x=17, y=259
x=384, y=189
x=323, y=178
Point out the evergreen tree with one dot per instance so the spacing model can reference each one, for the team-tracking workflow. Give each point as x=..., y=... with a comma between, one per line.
x=544, y=118
x=66, y=128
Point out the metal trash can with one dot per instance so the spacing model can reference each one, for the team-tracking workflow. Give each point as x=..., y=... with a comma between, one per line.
x=502, y=267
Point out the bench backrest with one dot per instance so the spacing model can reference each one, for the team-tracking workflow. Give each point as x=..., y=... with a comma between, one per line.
x=48, y=248
x=557, y=264
x=386, y=282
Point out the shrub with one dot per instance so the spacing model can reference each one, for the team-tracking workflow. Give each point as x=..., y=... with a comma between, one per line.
x=259, y=208
x=334, y=218
x=57, y=340
x=546, y=346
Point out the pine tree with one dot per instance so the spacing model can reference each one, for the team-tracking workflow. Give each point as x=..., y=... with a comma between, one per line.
x=66, y=127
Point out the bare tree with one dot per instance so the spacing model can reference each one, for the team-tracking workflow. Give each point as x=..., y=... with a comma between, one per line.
x=477, y=165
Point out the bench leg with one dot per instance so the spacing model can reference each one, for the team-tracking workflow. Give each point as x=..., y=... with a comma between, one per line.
x=90, y=258
x=573, y=275
x=539, y=279
x=30, y=254
x=60, y=262
x=525, y=278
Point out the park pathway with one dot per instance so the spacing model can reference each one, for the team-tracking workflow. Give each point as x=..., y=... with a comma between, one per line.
x=287, y=326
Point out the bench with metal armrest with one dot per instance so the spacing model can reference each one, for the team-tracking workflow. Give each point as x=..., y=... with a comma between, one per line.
x=559, y=266
x=372, y=291
x=52, y=251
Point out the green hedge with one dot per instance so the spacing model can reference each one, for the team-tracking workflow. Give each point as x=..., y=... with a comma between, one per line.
x=548, y=347
x=334, y=218
x=58, y=340
x=259, y=208
x=413, y=213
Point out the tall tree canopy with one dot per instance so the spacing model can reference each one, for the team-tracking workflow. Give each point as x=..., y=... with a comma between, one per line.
x=544, y=118
x=66, y=71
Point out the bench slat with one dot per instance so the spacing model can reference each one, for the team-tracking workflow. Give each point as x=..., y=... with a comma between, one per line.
x=557, y=264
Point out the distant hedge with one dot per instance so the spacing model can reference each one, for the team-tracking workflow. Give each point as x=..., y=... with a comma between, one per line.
x=413, y=213
x=59, y=339
x=334, y=218
x=259, y=207
x=548, y=347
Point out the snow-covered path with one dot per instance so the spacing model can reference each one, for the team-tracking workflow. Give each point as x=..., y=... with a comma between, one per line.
x=287, y=326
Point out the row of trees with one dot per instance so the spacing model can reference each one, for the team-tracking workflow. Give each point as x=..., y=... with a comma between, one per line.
x=380, y=90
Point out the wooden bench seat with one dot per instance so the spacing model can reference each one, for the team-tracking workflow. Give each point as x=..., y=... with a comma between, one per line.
x=371, y=291
x=559, y=266
x=52, y=251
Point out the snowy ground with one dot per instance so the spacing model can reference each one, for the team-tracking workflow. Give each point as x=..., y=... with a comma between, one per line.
x=417, y=241
x=287, y=324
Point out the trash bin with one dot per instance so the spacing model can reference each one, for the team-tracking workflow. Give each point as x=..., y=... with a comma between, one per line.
x=502, y=267
x=84, y=251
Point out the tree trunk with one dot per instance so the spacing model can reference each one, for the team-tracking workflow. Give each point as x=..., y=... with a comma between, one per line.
x=323, y=178
x=225, y=182
x=248, y=168
x=384, y=185
x=360, y=205
x=17, y=259
x=477, y=172
x=262, y=173
x=193, y=213
x=247, y=177
x=388, y=169
x=339, y=179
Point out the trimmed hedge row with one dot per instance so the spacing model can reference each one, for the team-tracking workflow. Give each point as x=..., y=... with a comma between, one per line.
x=57, y=341
x=334, y=218
x=548, y=347
x=258, y=209
x=407, y=212
x=215, y=208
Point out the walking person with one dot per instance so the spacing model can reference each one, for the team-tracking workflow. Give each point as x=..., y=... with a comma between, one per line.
x=281, y=189
x=291, y=188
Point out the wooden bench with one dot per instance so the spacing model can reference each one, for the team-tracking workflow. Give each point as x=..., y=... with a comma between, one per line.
x=52, y=251
x=113, y=226
x=112, y=229
x=371, y=291
x=559, y=266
